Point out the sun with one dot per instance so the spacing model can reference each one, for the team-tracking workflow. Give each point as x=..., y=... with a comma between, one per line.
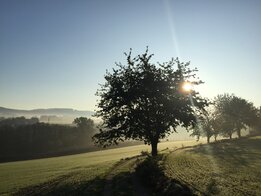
x=187, y=86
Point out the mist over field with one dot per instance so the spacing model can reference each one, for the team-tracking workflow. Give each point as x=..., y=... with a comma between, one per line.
x=51, y=115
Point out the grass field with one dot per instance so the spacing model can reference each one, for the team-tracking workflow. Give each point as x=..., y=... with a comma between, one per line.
x=68, y=172
x=223, y=168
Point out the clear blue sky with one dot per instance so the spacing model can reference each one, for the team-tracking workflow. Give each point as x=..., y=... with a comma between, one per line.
x=53, y=53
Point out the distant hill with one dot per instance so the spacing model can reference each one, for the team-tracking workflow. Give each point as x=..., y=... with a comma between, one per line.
x=52, y=115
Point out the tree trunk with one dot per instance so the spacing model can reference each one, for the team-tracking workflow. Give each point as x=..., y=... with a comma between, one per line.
x=154, y=148
x=230, y=136
x=215, y=136
x=208, y=138
x=239, y=133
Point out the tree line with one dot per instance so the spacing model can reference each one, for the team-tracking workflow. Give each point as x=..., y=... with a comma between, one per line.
x=22, y=138
x=18, y=121
x=228, y=114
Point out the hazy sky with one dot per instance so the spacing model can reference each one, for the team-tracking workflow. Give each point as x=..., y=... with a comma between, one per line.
x=54, y=53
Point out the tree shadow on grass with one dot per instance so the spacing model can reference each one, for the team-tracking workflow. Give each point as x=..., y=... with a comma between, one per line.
x=152, y=175
x=121, y=185
x=148, y=176
x=59, y=186
x=242, y=151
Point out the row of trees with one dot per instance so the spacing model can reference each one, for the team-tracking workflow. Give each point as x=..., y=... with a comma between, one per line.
x=19, y=141
x=145, y=101
x=18, y=121
x=228, y=114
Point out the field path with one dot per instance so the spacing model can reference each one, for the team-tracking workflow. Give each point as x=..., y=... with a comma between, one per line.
x=123, y=166
x=110, y=176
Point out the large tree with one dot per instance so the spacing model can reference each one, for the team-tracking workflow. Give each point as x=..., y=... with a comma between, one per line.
x=237, y=113
x=144, y=101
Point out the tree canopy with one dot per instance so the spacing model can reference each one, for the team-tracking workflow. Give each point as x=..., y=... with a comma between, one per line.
x=83, y=122
x=257, y=126
x=146, y=101
x=204, y=127
x=236, y=113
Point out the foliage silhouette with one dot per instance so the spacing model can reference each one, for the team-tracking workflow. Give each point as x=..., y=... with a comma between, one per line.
x=26, y=139
x=256, y=129
x=83, y=122
x=18, y=121
x=203, y=127
x=235, y=113
x=209, y=124
x=146, y=102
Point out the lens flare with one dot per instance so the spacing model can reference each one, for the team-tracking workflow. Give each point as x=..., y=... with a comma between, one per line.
x=187, y=86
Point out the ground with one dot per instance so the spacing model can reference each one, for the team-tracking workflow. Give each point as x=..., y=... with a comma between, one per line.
x=74, y=168
x=222, y=168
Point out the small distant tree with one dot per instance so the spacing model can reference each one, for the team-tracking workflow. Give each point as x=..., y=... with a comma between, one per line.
x=237, y=113
x=227, y=127
x=204, y=127
x=34, y=120
x=83, y=122
x=216, y=123
x=258, y=121
x=256, y=128
x=144, y=101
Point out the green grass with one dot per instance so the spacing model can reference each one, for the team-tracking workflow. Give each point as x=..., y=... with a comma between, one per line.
x=223, y=168
x=78, y=171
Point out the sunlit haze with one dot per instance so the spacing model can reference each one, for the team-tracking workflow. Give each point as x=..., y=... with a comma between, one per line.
x=55, y=53
x=187, y=86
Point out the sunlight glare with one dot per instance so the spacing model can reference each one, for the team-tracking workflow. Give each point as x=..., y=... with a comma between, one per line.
x=187, y=86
